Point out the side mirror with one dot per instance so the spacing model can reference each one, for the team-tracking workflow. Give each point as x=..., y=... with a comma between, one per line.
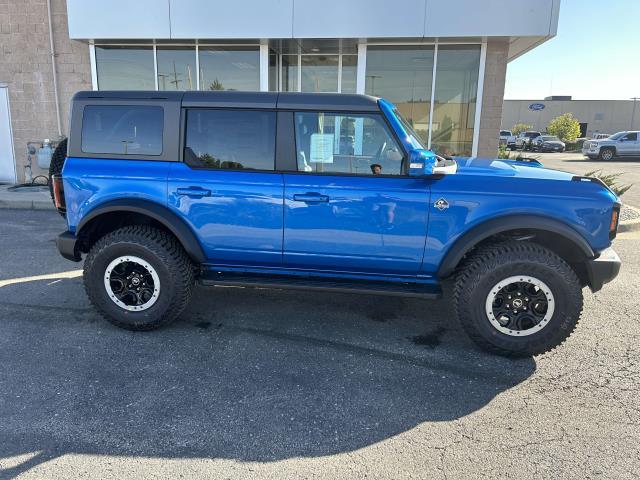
x=422, y=163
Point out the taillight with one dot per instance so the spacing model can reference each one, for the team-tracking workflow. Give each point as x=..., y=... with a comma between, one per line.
x=58, y=193
x=613, y=226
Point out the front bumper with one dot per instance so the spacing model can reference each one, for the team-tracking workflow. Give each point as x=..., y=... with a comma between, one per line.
x=591, y=151
x=67, y=244
x=603, y=269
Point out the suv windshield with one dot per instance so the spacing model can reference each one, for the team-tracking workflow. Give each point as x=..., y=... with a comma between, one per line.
x=532, y=134
x=414, y=138
x=616, y=136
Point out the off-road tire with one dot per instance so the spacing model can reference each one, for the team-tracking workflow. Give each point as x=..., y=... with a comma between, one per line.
x=164, y=253
x=602, y=154
x=57, y=162
x=490, y=264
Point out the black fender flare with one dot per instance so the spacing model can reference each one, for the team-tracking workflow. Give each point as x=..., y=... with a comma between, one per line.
x=502, y=224
x=160, y=213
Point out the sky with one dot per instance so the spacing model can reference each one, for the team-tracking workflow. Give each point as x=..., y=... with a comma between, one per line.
x=595, y=55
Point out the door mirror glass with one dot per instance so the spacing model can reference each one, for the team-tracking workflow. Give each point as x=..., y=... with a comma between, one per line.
x=422, y=163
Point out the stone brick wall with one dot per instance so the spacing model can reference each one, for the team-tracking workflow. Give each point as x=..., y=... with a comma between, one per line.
x=25, y=66
x=492, y=97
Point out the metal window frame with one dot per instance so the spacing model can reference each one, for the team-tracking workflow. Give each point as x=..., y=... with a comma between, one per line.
x=479, y=100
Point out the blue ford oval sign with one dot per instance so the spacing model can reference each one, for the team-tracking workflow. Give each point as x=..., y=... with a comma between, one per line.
x=536, y=106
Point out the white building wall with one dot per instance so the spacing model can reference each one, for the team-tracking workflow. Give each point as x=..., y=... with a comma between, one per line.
x=601, y=116
x=257, y=19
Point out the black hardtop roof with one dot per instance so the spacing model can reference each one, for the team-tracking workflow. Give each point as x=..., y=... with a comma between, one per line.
x=282, y=100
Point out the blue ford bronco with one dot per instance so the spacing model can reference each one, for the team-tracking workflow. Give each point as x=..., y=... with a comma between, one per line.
x=333, y=192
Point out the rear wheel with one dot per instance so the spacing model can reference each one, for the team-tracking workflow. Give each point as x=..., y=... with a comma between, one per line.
x=606, y=154
x=138, y=277
x=517, y=298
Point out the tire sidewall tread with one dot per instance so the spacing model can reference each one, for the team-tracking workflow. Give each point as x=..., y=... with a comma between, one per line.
x=168, y=258
x=492, y=263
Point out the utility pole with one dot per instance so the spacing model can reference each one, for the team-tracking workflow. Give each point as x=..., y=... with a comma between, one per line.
x=633, y=112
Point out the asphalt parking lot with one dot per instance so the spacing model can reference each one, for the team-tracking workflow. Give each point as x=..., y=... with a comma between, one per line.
x=274, y=384
x=579, y=164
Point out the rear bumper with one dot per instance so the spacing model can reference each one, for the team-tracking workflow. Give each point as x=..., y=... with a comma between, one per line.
x=67, y=244
x=603, y=269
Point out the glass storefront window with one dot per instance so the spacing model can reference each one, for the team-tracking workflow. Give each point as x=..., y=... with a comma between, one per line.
x=176, y=68
x=319, y=73
x=403, y=75
x=125, y=68
x=273, y=71
x=289, y=73
x=455, y=99
x=229, y=68
x=349, y=69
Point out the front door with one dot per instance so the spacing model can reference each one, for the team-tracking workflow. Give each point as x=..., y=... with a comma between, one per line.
x=7, y=164
x=227, y=188
x=350, y=208
x=629, y=144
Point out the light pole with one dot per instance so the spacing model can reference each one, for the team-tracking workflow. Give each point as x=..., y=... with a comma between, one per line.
x=633, y=112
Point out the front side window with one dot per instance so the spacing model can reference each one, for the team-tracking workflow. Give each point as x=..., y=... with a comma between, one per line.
x=631, y=137
x=346, y=143
x=230, y=139
x=122, y=129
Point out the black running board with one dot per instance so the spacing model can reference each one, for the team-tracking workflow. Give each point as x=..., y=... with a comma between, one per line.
x=417, y=290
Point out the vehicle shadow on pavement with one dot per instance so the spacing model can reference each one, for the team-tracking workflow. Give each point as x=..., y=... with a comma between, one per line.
x=251, y=375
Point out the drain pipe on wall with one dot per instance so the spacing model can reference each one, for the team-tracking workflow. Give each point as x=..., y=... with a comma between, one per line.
x=53, y=68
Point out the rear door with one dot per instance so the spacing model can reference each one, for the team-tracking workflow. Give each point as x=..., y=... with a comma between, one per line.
x=350, y=207
x=227, y=188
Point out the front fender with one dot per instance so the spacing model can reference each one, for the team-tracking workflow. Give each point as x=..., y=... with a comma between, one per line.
x=503, y=224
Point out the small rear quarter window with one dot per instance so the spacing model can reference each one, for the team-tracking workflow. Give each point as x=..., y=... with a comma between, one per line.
x=122, y=129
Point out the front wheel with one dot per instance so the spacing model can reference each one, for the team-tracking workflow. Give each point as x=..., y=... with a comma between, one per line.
x=606, y=154
x=138, y=277
x=517, y=298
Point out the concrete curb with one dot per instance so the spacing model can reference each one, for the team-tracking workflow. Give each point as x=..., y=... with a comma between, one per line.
x=26, y=204
x=630, y=225
x=24, y=200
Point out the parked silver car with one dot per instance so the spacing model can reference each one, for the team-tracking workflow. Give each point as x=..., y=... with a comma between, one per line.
x=523, y=141
x=617, y=145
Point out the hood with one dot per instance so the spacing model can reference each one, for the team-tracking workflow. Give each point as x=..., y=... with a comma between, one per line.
x=508, y=168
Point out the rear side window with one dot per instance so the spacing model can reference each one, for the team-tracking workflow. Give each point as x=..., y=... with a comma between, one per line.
x=122, y=129
x=230, y=139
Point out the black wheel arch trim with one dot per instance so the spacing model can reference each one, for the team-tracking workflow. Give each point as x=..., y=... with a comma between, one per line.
x=503, y=224
x=160, y=213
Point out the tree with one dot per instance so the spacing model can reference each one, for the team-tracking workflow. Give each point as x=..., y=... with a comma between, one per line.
x=519, y=128
x=216, y=85
x=565, y=127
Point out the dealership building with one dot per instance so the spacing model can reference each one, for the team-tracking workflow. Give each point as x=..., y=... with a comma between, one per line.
x=442, y=62
x=595, y=116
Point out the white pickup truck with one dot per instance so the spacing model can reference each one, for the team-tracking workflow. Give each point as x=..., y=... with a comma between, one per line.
x=619, y=144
